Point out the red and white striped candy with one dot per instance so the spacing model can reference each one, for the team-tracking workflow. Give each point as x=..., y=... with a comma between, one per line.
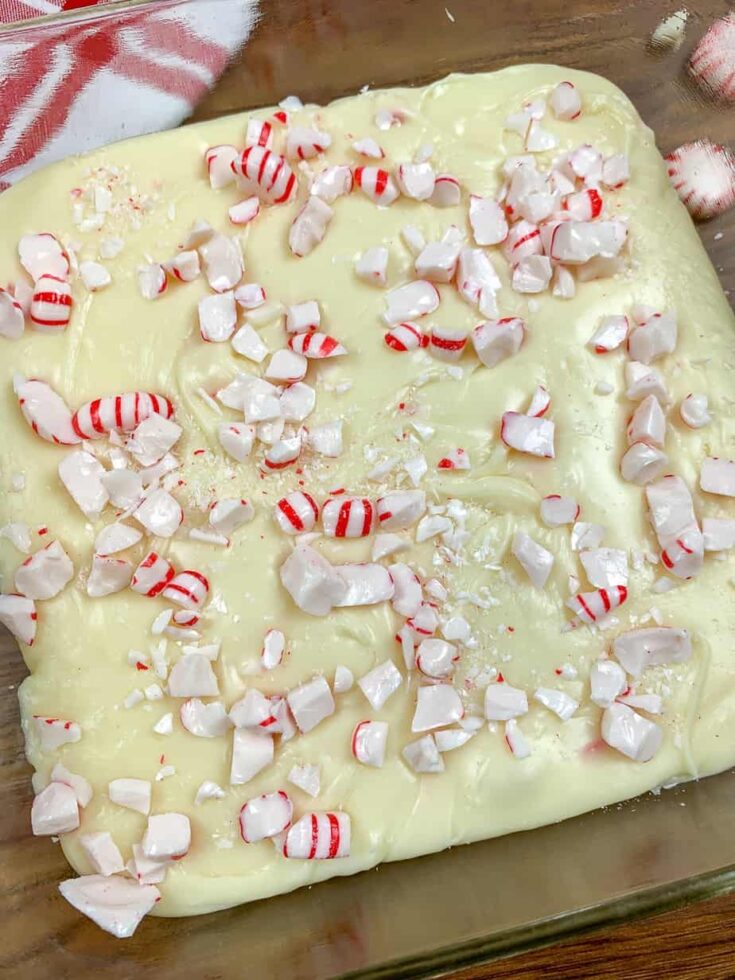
x=283, y=453
x=218, y=161
x=584, y=205
x=540, y=402
x=265, y=816
x=274, y=648
x=245, y=211
x=259, y=133
x=711, y=62
x=425, y=622
x=316, y=345
x=45, y=411
x=377, y=184
x=528, y=435
x=684, y=556
x=332, y=183
x=565, y=101
x=188, y=589
x=446, y=344
x=488, y=221
x=643, y=463
x=51, y=304
x=703, y=175
x=557, y=510
x=694, y=411
x=253, y=710
x=406, y=337
x=319, y=836
x=455, y=459
x=18, y=614
x=122, y=412
x=610, y=334
x=303, y=143
x=416, y=180
x=348, y=517
x=296, y=513
x=268, y=173
x=447, y=191
x=185, y=266
x=43, y=255
x=368, y=742
x=309, y=226
x=717, y=475
x=496, y=340
x=12, y=320
x=648, y=423
x=152, y=575
x=590, y=607
x=522, y=241
x=436, y=658
x=152, y=281
x=400, y=509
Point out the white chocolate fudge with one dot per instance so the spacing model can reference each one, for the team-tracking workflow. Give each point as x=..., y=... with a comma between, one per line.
x=426, y=488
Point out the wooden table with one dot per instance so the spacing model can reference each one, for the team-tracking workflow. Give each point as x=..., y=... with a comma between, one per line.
x=321, y=50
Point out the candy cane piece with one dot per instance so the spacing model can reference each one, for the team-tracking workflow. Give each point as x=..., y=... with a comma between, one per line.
x=348, y=517
x=565, y=101
x=309, y=226
x=437, y=261
x=152, y=575
x=218, y=160
x=133, y=794
x=380, y=683
x=718, y=533
x=535, y=560
x=259, y=133
x=447, y=192
x=477, y=281
x=368, y=742
x=319, y=836
x=605, y=567
x=268, y=173
x=717, y=476
x=410, y=301
x=577, y=242
x=423, y=755
x=245, y=211
x=654, y=338
x=116, y=537
x=615, y=171
x=436, y=706
x=107, y=576
x=557, y=510
x=223, y=266
x=286, y=367
x=152, y=281
x=377, y=184
x=311, y=703
x=584, y=205
x=710, y=63
x=12, y=320
x=265, y=816
x=45, y=411
x=160, y=514
x=590, y=607
x=296, y=513
x=43, y=255
x=643, y=463
x=18, y=614
x=643, y=380
x=55, y=810
x=647, y=424
x=522, y=241
x=250, y=296
x=436, y=658
x=283, y=453
x=684, y=556
x=303, y=143
x=192, y=677
x=185, y=266
x=332, y=183
x=487, y=220
x=532, y=274
x=204, y=720
x=188, y=589
x=316, y=345
x=455, y=459
x=560, y=703
x=226, y=515
x=694, y=411
x=274, y=648
x=400, y=509
x=671, y=508
x=372, y=266
x=496, y=340
x=367, y=584
x=167, y=836
x=81, y=473
x=407, y=590
x=629, y=733
x=124, y=413
x=503, y=701
x=406, y=337
x=528, y=435
x=416, y=180
x=607, y=681
x=516, y=740
x=368, y=147
x=310, y=580
x=446, y=344
x=611, y=334
x=44, y=574
x=237, y=438
x=51, y=304
x=540, y=402
x=638, y=649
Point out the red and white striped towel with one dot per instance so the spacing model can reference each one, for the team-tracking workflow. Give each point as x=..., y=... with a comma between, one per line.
x=68, y=88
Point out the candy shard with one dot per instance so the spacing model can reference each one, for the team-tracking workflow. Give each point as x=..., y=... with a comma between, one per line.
x=12, y=319
x=717, y=476
x=437, y=705
x=366, y=584
x=223, y=265
x=643, y=463
x=528, y=435
x=167, y=836
x=192, y=677
x=377, y=184
x=368, y=742
x=252, y=751
x=55, y=810
x=333, y=182
x=44, y=574
x=217, y=317
x=607, y=681
x=423, y=755
x=536, y=561
x=309, y=226
x=630, y=733
x=400, y=509
x=204, y=720
x=42, y=254
x=487, y=220
x=319, y=836
x=311, y=703
x=103, y=853
x=51, y=305
x=694, y=411
x=380, y=683
x=266, y=174
x=642, y=381
x=648, y=423
x=410, y=301
x=115, y=904
x=560, y=703
x=372, y=265
x=502, y=702
x=557, y=510
x=610, y=334
x=160, y=514
x=496, y=340
x=81, y=473
x=638, y=649
x=107, y=576
x=605, y=567
x=265, y=816
x=591, y=607
x=45, y=411
x=134, y=794
x=654, y=338
x=719, y=533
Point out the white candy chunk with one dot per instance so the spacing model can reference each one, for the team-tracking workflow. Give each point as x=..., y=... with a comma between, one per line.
x=94, y=275
x=557, y=510
x=369, y=741
x=81, y=474
x=12, y=321
x=303, y=317
x=309, y=226
x=204, y=720
x=116, y=905
x=332, y=183
x=436, y=706
x=107, y=576
x=116, y=537
x=410, y=301
x=456, y=628
x=652, y=703
x=152, y=439
x=326, y=439
x=529, y=435
x=502, y=701
x=536, y=561
x=145, y=870
x=286, y=366
x=55, y=810
x=44, y=574
x=217, y=317
x=199, y=233
x=19, y=535
x=81, y=787
x=252, y=751
x=307, y=778
x=719, y=533
x=610, y=334
x=577, y=242
x=615, y=170
x=366, y=584
x=385, y=545
x=643, y=463
x=244, y=211
x=380, y=683
x=124, y=486
x=516, y=740
x=447, y=192
x=218, y=161
x=208, y=790
x=586, y=535
x=313, y=584
x=671, y=508
x=487, y=219
x=133, y=794
x=532, y=274
x=638, y=649
x=413, y=239
x=605, y=567
x=436, y=658
x=304, y=143
x=636, y=737
x=297, y=402
x=372, y=266
x=654, y=338
x=152, y=281
x=496, y=340
x=717, y=476
x=45, y=411
x=225, y=516
x=565, y=101
x=431, y=526
x=192, y=677
x=311, y=703
x=400, y=509
x=607, y=681
x=53, y=732
x=407, y=591
x=694, y=411
x=236, y=438
x=273, y=650
x=165, y=724
x=557, y=701
x=423, y=755
x=185, y=266
x=250, y=296
x=648, y=423
x=416, y=180
x=477, y=281
x=160, y=514
x=265, y=816
x=343, y=679
x=222, y=262
x=643, y=380
x=103, y=853
x=437, y=261
x=167, y=836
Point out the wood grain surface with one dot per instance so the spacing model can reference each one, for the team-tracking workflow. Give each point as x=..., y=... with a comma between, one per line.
x=320, y=49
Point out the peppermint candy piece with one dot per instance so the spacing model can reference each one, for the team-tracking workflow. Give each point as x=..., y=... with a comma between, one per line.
x=319, y=836
x=42, y=255
x=265, y=816
x=115, y=904
x=348, y=517
x=631, y=734
x=81, y=473
x=310, y=580
x=45, y=411
x=590, y=607
x=710, y=63
x=316, y=345
x=369, y=741
x=218, y=160
x=377, y=184
x=525, y=434
x=12, y=319
x=18, y=614
x=51, y=305
x=98, y=418
x=296, y=513
x=638, y=649
x=309, y=226
x=565, y=101
x=267, y=173
x=152, y=575
x=496, y=340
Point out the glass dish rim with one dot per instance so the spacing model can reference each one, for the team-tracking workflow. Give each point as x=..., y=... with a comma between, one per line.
x=79, y=14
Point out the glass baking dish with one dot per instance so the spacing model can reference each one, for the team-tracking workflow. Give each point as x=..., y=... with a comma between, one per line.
x=470, y=904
